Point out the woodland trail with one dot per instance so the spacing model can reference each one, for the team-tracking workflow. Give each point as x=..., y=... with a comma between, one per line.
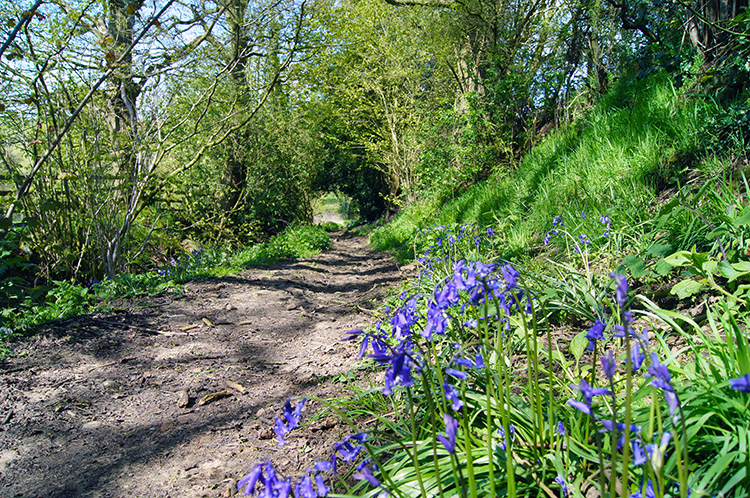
x=94, y=406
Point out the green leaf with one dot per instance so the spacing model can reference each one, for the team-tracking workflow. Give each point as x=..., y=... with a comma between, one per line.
x=578, y=345
x=678, y=259
x=687, y=288
x=710, y=266
x=662, y=267
x=718, y=232
x=743, y=219
x=658, y=250
x=727, y=270
x=636, y=265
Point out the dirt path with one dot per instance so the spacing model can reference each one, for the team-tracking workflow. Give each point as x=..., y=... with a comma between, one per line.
x=91, y=407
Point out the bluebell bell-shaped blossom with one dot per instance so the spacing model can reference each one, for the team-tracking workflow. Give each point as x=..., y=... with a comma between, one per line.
x=304, y=488
x=273, y=486
x=741, y=384
x=451, y=427
x=320, y=485
x=464, y=276
x=609, y=427
x=437, y=322
x=560, y=479
x=327, y=465
x=560, y=430
x=588, y=396
x=660, y=376
x=609, y=364
x=595, y=333
x=636, y=356
x=459, y=374
x=621, y=288
x=349, y=447
x=291, y=417
x=405, y=317
x=646, y=491
x=365, y=472
x=400, y=367
x=451, y=394
x=503, y=439
x=510, y=275
x=639, y=456
x=620, y=329
x=657, y=453
x=557, y=220
x=447, y=296
x=477, y=364
x=584, y=239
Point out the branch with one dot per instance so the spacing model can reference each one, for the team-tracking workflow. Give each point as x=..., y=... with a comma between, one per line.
x=25, y=18
x=23, y=189
x=243, y=122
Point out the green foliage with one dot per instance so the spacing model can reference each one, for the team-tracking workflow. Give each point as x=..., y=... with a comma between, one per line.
x=614, y=161
x=65, y=299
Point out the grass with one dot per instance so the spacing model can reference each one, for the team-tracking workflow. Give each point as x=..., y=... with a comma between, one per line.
x=615, y=161
x=66, y=299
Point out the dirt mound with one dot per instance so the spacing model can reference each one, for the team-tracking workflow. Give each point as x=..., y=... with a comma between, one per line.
x=175, y=395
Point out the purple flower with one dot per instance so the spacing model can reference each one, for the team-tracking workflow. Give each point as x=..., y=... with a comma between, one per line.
x=609, y=365
x=451, y=394
x=588, y=396
x=609, y=427
x=447, y=296
x=347, y=450
x=436, y=322
x=304, y=488
x=557, y=220
x=449, y=440
x=584, y=239
x=563, y=485
x=595, y=333
x=583, y=213
x=639, y=456
x=292, y=417
x=251, y=479
x=501, y=431
x=456, y=373
x=621, y=288
x=636, y=356
x=560, y=428
x=547, y=238
x=647, y=491
x=490, y=232
x=273, y=485
x=742, y=384
x=510, y=275
x=400, y=365
x=365, y=473
x=661, y=377
x=464, y=276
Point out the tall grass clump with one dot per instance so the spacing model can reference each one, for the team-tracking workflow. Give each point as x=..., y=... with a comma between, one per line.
x=617, y=157
x=480, y=397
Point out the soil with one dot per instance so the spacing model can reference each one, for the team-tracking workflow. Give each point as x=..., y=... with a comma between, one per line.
x=112, y=404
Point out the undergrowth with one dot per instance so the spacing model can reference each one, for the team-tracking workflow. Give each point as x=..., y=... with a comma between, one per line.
x=28, y=308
